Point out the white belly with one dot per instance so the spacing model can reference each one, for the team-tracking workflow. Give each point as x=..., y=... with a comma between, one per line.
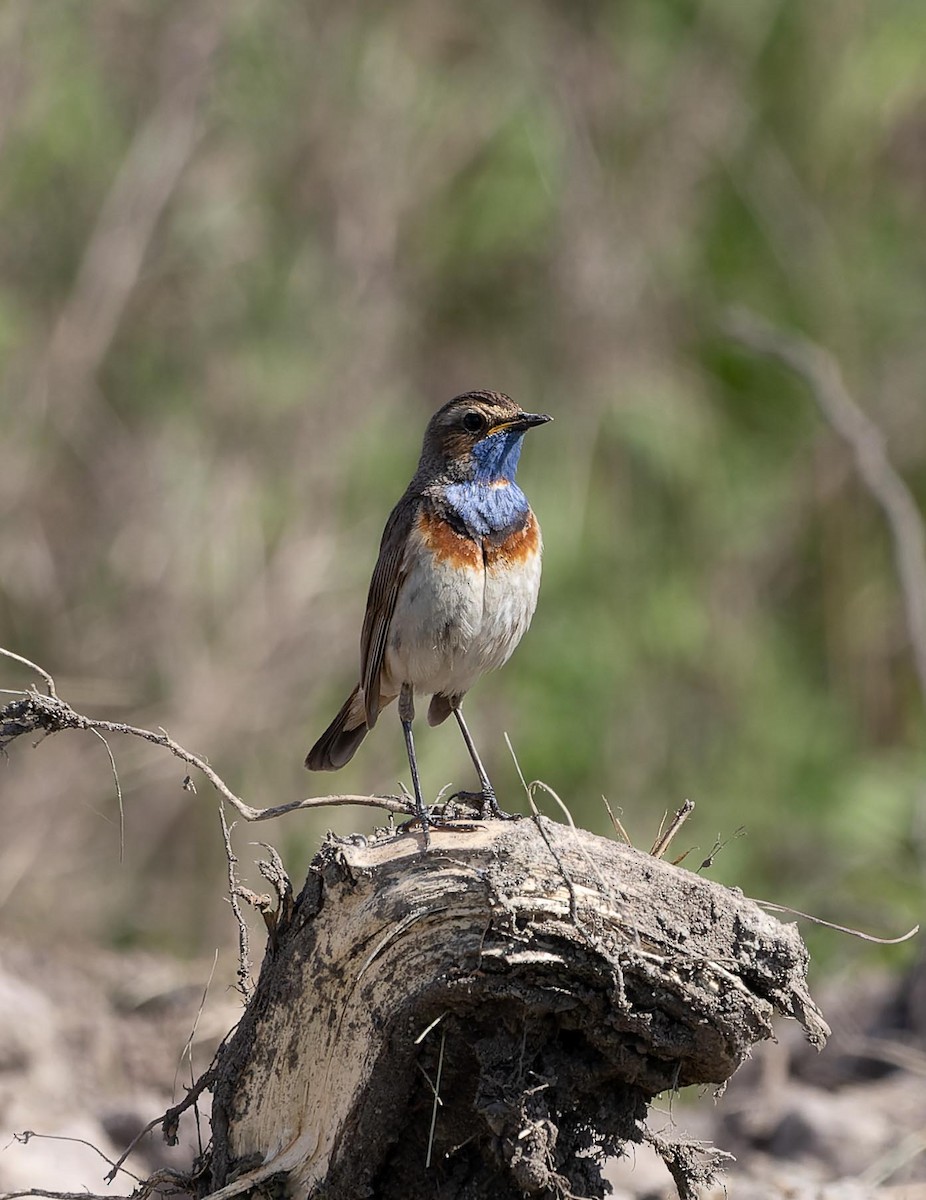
x=452, y=624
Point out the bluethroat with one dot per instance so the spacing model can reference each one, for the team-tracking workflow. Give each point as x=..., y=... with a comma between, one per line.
x=454, y=587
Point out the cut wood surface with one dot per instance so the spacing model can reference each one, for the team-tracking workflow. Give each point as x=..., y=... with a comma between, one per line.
x=491, y=1018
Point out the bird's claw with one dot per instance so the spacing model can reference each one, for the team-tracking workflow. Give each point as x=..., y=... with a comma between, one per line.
x=430, y=819
x=487, y=804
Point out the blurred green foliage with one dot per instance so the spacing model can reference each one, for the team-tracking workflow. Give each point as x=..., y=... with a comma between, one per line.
x=377, y=210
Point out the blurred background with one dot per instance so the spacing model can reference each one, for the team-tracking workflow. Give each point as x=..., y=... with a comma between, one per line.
x=246, y=250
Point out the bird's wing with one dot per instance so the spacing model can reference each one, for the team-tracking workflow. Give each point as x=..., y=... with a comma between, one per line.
x=384, y=588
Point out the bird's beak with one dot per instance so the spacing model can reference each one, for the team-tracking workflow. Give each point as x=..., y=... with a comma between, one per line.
x=524, y=421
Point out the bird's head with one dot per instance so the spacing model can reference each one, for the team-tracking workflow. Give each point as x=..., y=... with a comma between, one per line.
x=477, y=437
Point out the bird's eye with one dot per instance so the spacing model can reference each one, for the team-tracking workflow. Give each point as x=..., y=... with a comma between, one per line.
x=474, y=422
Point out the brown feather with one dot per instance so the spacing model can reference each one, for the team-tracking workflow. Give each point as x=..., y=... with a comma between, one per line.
x=338, y=744
x=384, y=588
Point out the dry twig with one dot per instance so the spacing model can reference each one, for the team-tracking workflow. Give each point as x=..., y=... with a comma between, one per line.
x=618, y=825
x=34, y=713
x=857, y=933
x=26, y=662
x=245, y=987
x=664, y=840
x=169, y=1121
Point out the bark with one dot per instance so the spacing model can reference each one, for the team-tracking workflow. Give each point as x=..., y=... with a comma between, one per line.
x=490, y=1018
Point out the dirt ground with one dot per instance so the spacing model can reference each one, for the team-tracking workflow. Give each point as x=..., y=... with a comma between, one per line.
x=93, y=1045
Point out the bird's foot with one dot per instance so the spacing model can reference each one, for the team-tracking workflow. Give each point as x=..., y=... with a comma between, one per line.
x=486, y=804
x=445, y=819
x=420, y=815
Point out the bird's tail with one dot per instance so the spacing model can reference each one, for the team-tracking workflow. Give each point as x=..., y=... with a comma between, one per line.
x=338, y=744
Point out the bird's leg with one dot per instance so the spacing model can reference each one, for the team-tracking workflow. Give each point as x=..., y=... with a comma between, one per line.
x=406, y=716
x=487, y=795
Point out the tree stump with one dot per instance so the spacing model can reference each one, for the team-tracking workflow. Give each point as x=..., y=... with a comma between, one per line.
x=490, y=1018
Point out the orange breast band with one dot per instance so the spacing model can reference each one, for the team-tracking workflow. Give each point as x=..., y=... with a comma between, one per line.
x=446, y=544
x=517, y=548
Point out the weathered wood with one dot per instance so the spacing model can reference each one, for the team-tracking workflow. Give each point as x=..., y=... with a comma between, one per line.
x=563, y=980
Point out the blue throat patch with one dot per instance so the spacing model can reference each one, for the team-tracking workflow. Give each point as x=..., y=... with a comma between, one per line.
x=491, y=501
x=496, y=456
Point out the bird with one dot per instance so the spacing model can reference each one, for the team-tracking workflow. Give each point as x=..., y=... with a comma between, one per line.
x=454, y=587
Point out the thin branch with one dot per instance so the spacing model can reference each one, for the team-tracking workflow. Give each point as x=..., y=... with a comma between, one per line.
x=165, y=1181
x=49, y=682
x=530, y=788
x=822, y=375
x=720, y=844
x=34, y=713
x=244, y=952
x=169, y=1121
x=27, y=1136
x=664, y=840
x=866, y=937
x=619, y=829
x=536, y=814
